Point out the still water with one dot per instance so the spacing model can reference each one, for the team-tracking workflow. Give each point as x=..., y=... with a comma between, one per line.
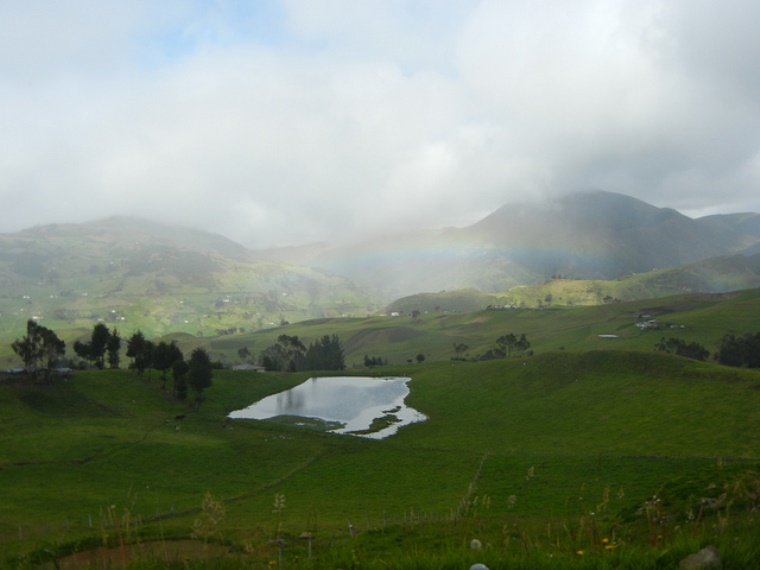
x=353, y=402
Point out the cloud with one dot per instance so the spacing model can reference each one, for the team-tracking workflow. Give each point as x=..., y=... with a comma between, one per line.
x=301, y=120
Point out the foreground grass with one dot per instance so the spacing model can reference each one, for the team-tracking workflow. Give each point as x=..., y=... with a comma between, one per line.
x=538, y=459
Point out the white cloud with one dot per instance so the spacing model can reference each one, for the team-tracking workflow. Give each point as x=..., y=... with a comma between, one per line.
x=352, y=117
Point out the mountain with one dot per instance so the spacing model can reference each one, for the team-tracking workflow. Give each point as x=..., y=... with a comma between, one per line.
x=747, y=222
x=603, y=235
x=593, y=235
x=157, y=278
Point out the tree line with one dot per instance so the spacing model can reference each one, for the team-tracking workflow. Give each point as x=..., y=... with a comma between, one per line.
x=738, y=351
x=508, y=345
x=290, y=354
x=41, y=351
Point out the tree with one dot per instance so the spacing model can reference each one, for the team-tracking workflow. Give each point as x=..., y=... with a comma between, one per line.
x=420, y=358
x=199, y=374
x=95, y=350
x=52, y=348
x=180, y=369
x=326, y=354
x=39, y=348
x=459, y=350
x=140, y=351
x=98, y=343
x=113, y=346
x=510, y=344
x=372, y=361
x=244, y=353
x=681, y=348
x=288, y=355
x=743, y=351
x=165, y=354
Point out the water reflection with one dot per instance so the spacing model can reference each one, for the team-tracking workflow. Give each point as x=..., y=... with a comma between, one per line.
x=352, y=401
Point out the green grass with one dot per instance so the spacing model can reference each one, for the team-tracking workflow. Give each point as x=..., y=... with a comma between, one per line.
x=694, y=318
x=515, y=453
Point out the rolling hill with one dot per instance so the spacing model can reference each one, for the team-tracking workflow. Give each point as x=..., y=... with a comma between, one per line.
x=138, y=275
x=579, y=249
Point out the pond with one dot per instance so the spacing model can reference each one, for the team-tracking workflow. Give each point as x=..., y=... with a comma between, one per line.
x=356, y=405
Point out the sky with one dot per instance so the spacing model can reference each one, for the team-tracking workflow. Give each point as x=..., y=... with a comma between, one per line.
x=283, y=122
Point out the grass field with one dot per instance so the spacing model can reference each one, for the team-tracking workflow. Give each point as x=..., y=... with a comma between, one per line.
x=695, y=318
x=549, y=461
x=517, y=454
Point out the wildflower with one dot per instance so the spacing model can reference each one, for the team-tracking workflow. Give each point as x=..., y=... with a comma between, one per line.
x=605, y=541
x=609, y=547
x=579, y=553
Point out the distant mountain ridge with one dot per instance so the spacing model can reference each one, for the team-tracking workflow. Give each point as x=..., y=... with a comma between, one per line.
x=592, y=235
x=162, y=278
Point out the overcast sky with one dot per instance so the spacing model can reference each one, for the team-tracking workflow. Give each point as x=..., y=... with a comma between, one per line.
x=292, y=121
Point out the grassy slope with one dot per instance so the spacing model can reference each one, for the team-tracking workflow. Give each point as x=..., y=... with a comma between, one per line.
x=587, y=420
x=705, y=319
x=623, y=421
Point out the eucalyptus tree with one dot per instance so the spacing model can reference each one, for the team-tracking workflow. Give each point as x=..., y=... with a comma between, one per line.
x=165, y=354
x=113, y=348
x=39, y=348
x=199, y=374
x=140, y=351
x=94, y=350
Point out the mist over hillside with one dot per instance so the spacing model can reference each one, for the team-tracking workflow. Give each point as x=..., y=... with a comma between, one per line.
x=593, y=235
x=133, y=274
x=160, y=278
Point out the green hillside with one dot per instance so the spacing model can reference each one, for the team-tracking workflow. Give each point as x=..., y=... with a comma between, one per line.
x=525, y=443
x=515, y=452
x=136, y=275
x=700, y=318
x=133, y=274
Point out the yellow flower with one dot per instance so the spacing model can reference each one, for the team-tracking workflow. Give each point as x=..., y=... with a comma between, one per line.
x=605, y=541
x=579, y=553
x=609, y=547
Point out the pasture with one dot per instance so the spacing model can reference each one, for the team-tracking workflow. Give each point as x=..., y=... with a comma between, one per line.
x=538, y=459
x=593, y=453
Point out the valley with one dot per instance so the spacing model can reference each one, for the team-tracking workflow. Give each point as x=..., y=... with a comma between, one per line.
x=539, y=457
x=562, y=429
